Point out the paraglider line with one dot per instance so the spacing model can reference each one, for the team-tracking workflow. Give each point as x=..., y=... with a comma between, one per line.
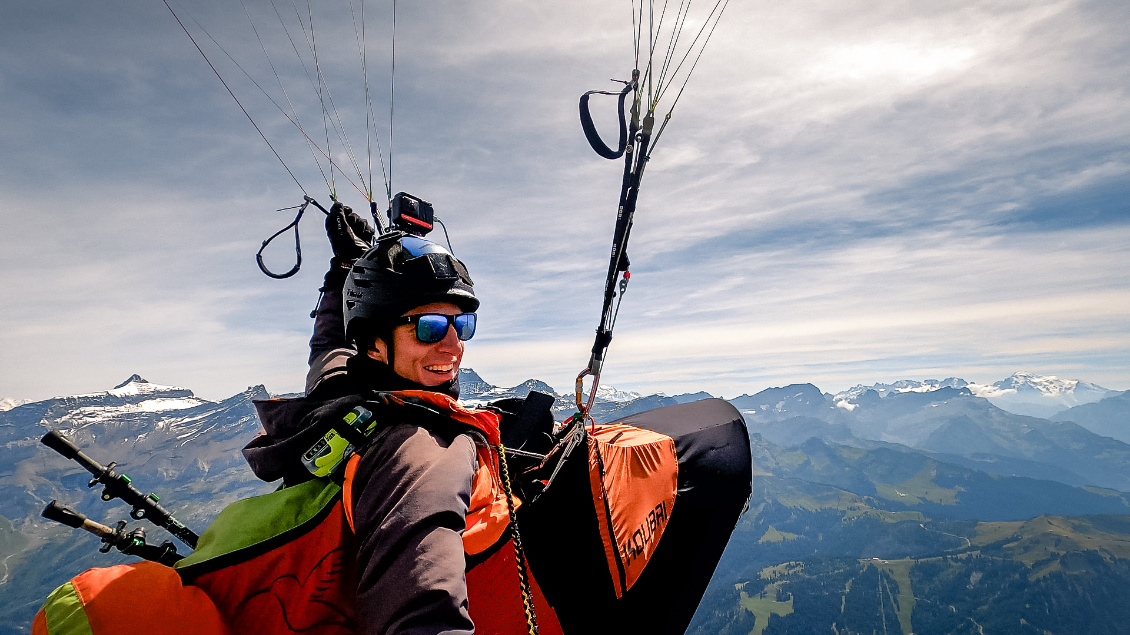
x=278, y=79
x=321, y=83
x=245, y=113
x=724, y=4
x=363, y=51
x=392, y=106
x=313, y=144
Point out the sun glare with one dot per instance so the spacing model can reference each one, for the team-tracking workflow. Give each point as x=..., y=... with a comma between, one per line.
x=887, y=60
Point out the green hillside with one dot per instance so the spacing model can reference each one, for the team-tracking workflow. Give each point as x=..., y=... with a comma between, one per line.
x=881, y=539
x=896, y=478
x=850, y=567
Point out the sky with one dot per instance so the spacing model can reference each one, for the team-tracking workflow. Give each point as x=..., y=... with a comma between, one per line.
x=847, y=193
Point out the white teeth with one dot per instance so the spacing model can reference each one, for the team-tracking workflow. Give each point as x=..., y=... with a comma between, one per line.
x=439, y=369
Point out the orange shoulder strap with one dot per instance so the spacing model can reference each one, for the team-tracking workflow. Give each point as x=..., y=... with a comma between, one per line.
x=347, y=490
x=487, y=515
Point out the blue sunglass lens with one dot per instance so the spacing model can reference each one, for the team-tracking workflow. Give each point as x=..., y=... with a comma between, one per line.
x=465, y=326
x=432, y=327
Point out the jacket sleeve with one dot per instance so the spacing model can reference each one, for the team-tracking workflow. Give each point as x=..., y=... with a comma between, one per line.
x=329, y=350
x=410, y=497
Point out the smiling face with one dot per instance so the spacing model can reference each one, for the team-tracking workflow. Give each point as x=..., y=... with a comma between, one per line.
x=426, y=364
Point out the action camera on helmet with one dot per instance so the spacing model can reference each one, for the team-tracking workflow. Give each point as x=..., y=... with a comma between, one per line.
x=411, y=214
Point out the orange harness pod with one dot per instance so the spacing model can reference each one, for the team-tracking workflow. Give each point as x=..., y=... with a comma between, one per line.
x=634, y=478
x=119, y=599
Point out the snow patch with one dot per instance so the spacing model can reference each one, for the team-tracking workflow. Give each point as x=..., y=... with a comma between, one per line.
x=901, y=386
x=919, y=389
x=846, y=405
x=136, y=385
x=161, y=405
x=989, y=391
x=7, y=403
x=87, y=415
x=608, y=393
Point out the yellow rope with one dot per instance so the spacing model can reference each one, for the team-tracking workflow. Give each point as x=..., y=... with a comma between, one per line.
x=519, y=553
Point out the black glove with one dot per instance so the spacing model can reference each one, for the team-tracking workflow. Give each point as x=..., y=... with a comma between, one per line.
x=350, y=235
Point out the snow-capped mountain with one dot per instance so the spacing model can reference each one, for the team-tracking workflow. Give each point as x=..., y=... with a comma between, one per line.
x=475, y=391
x=471, y=385
x=187, y=449
x=164, y=436
x=608, y=393
x=903, y=385
x=1041, y=396
x=774, y=404
x=169, y=441
x=1051, y=386
x=1023, y=393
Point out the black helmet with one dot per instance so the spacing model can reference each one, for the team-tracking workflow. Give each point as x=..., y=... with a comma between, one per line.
x=399, y=273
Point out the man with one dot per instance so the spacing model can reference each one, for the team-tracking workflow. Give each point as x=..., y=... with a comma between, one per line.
x=408, y=312
x=398, y=274
x=382, y=541
x=376, y=548
x=412, y=536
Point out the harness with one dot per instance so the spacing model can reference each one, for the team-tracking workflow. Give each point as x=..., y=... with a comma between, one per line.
x=592, y=518
x=304, y=534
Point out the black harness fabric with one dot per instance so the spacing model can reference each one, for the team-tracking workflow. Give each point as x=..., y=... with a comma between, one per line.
x=561, y=537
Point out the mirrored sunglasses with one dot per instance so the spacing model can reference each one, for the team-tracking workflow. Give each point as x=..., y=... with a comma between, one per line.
x=432, y=327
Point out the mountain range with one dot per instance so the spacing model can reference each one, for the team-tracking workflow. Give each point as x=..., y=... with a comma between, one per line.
x=924, y=472
x=1022, y=393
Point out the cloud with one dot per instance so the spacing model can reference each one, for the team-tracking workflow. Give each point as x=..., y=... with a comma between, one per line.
x=846, y=193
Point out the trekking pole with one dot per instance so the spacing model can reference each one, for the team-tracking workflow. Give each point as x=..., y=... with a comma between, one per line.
x=120, y=486
x=131, y=543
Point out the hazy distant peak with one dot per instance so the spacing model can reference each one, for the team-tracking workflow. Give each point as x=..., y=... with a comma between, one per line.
x=990, y=391
x=534, y=384
x=1040, y=395
x=930, y=385
x=690, y=396
x=901, y=386
x=609, y=393
x=1047, y=385
x=794, y=398
x=474, y=389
